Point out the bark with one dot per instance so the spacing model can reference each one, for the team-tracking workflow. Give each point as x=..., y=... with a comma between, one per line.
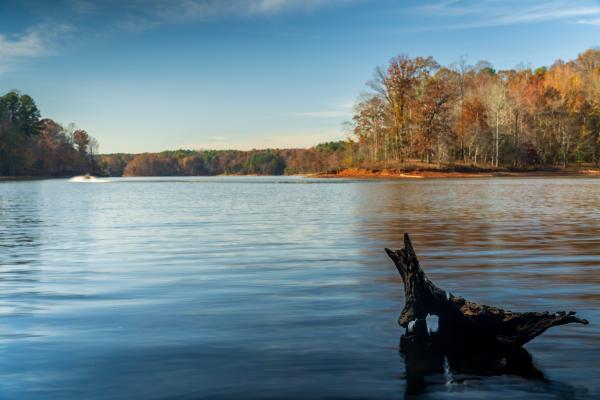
x=462, y=320
x=497, y=137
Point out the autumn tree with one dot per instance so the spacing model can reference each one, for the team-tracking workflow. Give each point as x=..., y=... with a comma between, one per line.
x=433, y=116
x=518, y=117
x=30, y=145
x=400, y=85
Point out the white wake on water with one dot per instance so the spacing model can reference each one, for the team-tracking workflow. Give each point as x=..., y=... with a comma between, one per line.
x=88, y=179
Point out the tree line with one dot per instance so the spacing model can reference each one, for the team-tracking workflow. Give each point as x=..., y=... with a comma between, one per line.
x=417, y=109
x=34, y=146
x=30, y=145
x=323, y=157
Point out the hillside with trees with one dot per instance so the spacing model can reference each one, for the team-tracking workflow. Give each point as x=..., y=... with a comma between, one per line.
x=31, y=146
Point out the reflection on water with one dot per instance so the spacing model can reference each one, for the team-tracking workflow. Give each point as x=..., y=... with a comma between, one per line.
x=279, y=287
x=433, y=362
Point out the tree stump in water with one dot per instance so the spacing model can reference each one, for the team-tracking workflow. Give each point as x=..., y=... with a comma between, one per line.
x=462, y=321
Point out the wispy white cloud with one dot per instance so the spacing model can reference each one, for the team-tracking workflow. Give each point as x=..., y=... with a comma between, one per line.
x=82, y=6
x=591, y=21
x=241, y=7
x=140, y=15
x=324, y=114
x=212, y=7
x=26, y=45
x=337, y=110
x=35, y=42
x=488, y=13
x=282, y=140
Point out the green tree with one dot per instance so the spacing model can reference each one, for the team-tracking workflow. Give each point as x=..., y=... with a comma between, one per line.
x=19, y=123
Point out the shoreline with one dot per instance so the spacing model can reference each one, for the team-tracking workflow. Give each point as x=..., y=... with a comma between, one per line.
x=25, y=178
x=365, y=173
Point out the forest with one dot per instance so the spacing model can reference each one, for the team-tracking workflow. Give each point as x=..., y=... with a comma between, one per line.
x=323, y=157
x=419, y=110
x=415, y=112
x=32, y=146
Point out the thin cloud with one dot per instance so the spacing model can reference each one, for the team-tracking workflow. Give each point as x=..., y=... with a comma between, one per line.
x=324, y=114
x=275, y=140
x=34, y=43
x=337, y=110
x=138, y=15
x=241, y=7
x=594, y=21
x=82, y=6
x=488, y=13
x=340, y=109
x=27, y=45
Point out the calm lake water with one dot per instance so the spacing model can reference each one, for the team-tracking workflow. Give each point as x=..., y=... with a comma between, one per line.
x=225, y=288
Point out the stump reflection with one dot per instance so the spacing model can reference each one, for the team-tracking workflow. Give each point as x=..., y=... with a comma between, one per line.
x=434, y=354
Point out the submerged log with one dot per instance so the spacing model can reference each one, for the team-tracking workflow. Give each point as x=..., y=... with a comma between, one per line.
x=462, y=321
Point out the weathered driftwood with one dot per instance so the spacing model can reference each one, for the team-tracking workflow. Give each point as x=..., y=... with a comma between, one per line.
x=461, y=320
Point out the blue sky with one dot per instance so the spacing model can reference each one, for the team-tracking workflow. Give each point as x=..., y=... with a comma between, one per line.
x=156, y=74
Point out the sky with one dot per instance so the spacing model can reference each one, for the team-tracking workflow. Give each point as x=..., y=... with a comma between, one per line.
x=152, y=75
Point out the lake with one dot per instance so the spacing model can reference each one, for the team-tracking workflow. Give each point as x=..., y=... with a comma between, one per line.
x=278, y=287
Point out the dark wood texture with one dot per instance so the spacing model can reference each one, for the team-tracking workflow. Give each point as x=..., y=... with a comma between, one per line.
x=461, y=320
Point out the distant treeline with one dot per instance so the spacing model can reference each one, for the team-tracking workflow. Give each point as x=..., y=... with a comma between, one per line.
x=33, y=146
x=324, y=157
